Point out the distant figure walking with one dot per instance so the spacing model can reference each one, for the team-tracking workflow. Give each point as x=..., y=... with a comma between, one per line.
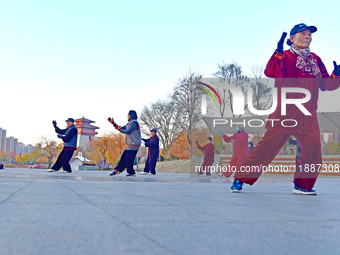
x=69, y=137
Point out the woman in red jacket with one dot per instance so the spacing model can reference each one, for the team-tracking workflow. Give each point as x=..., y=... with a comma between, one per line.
x=209, y=154
x=296, y=67
x=241, y=149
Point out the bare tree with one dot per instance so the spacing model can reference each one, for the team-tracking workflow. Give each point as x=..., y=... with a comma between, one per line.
x=261, y=93
x=231, y=74
x=261, y=89
x=187, y=97
x=166, y=117
x=49, y=149
x=106, y=149
x=103, y=145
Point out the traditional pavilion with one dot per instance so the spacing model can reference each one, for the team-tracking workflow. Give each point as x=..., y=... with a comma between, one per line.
x=86, y=131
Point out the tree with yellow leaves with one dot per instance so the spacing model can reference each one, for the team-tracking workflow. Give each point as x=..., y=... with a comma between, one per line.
x=107, y=148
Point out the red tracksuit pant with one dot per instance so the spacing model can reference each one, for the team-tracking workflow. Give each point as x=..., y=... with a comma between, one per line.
x=270, y=145
x=205, y=167
x=233, y=163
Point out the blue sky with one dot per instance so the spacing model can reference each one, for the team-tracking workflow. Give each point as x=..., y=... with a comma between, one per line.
x=96, y=59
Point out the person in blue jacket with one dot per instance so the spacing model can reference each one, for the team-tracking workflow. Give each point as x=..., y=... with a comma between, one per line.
x=133, y=141
x=153, y=153
x=69, y=137
x=250, y=146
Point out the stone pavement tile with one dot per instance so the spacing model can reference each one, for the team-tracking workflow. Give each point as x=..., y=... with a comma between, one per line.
x=319, y=231
x=161, y=194
x=233, y=213
x=104, y=187
x=90, y=190
x=283, y=203
x=74, y=238
x=4, y=196
x=230, y=238
x=120, y=199
x=175, y=215
x=254, y=214
x=37, y=189
x=46, y=199
x=158, y=214
x=183, y=198
x=9, y=186
x=22, y=212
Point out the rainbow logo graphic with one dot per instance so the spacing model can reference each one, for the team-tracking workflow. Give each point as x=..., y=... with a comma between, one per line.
x=210, y=94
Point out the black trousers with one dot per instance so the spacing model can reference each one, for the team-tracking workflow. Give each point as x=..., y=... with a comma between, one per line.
x=63, y=160
x=126, y=161
x=150, y=165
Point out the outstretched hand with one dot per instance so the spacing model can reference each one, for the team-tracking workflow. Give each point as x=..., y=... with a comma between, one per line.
x=54, y=123
x=280, y=43
x=111, y=120
x=336, y=69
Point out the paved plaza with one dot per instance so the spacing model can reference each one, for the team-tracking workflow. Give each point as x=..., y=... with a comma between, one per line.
x=88, y=212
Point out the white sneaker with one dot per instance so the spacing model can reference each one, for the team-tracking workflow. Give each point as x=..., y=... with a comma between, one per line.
x=51, y=170
x=143, y=173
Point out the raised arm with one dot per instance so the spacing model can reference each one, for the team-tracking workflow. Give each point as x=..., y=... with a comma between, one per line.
x=331, y=82
x=274, y=65
x=227, y=138
x=199, y=146
x=132, y=127
x=153, y=142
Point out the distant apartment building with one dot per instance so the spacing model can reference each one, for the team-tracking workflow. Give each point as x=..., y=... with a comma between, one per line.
x=24, y=149
x=2, y=139
x=11, y=144
x=20, y=148
x=28, y=149
x=7, y=144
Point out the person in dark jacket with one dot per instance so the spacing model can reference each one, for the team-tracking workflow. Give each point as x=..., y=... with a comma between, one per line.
x=133, y=142
x=1, y=165
x=153, y=153
x=208, y=158
x=69, y=137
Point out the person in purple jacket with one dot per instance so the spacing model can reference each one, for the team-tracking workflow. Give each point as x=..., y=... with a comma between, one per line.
x=153, y=153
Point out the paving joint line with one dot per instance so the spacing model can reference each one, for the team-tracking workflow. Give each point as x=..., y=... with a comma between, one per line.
x=122, y=222
x=10, y=196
